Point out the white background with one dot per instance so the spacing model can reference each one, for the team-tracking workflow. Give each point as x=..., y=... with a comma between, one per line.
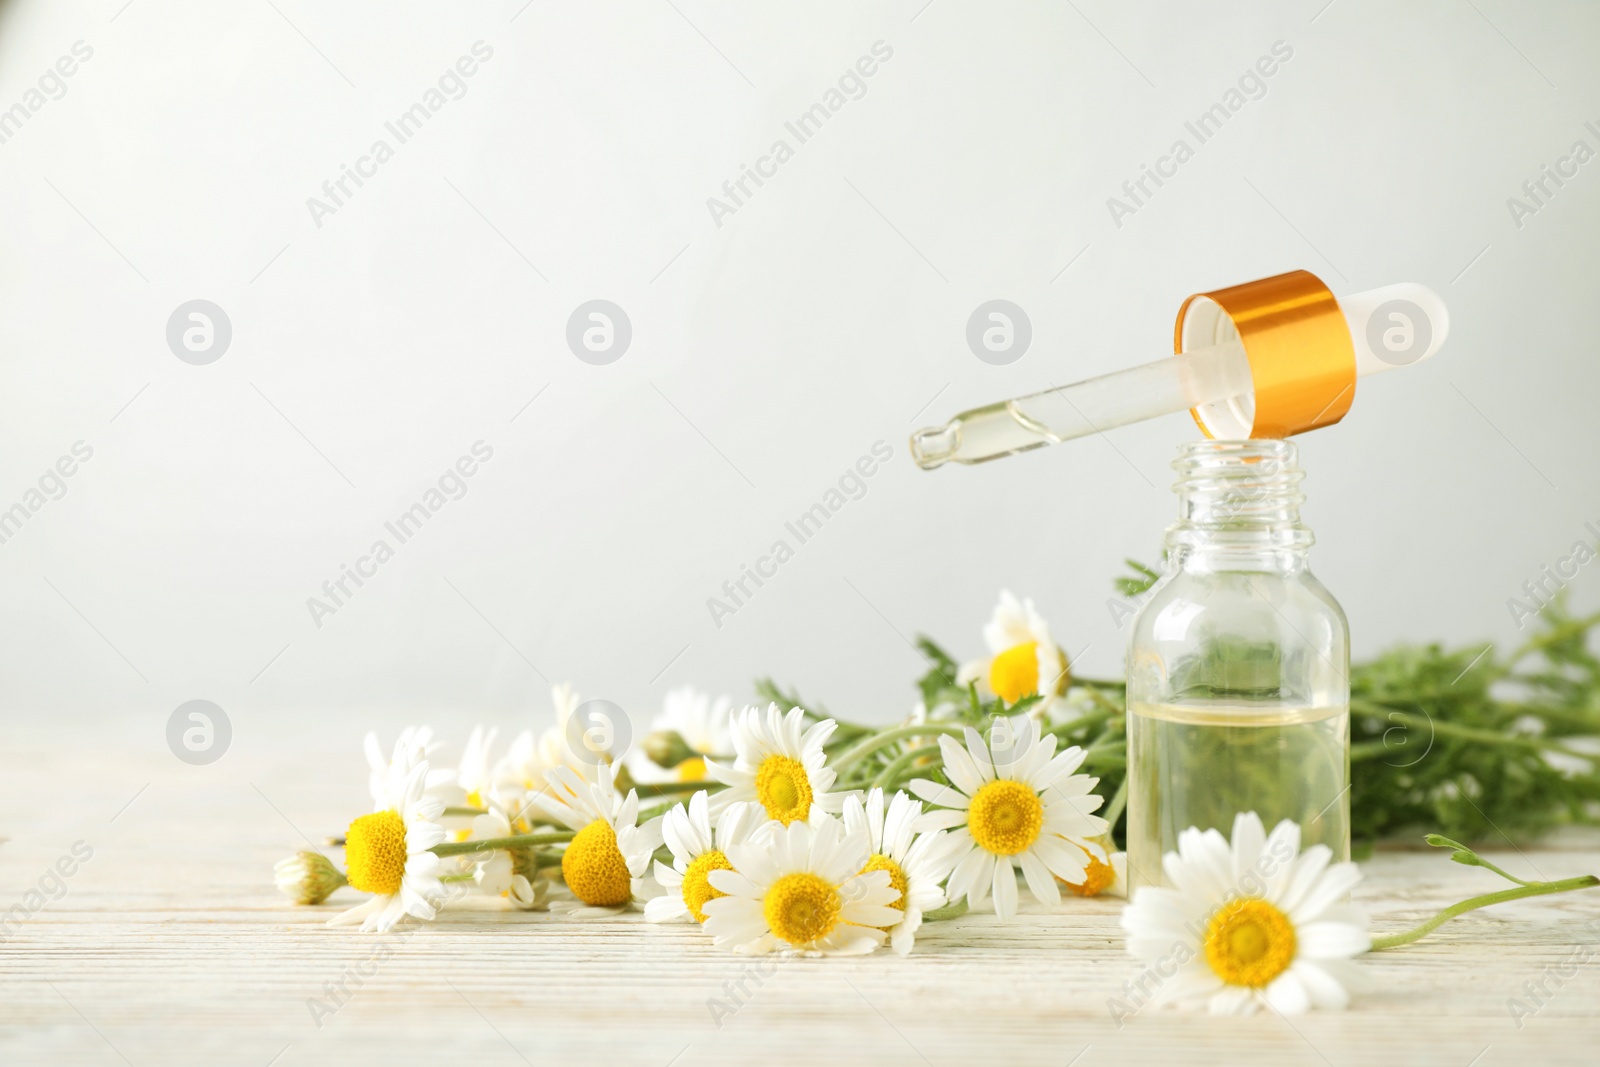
x=768, y=353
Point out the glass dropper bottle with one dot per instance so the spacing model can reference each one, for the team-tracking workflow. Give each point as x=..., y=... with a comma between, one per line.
x=1238, y=660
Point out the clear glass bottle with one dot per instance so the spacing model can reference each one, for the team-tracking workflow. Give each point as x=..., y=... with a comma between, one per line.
x=1238, y=666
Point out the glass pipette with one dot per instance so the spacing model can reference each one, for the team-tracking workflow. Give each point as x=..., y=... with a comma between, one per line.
x=1265, y=359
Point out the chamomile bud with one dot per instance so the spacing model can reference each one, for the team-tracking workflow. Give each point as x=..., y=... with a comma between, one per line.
x=667, y=748
x=308, y=877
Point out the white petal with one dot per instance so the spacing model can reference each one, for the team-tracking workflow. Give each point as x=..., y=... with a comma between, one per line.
x=1248, y=838
x=970, y=875
x=959, y=768
x=1335, y=882
x=1323, y=989
x=665, y=909
x=733, y=883
x=1063, y=858
x=982, y=758
x=1287, y=994
x=1040, y=883
x=1194, y=981
x=941, y=819
x=942, y=795
x=870, y=914
x=678, y=834
x=855, y=815
x=1323, y=940
x=1305, y=872
x=1005, y=889
x=1277, y=859
x=1232, y=1000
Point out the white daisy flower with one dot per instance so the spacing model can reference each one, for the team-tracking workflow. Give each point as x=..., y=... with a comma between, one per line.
x=1015, y=804
x=691, y=727
x=799, y=890
x=1102, y=877
x=697, y=850
x=779, y=765
x=386, y=853
x=1023, y=659
x=611, y=852
x=522, y=772
x=414, y=743
x=1257, y=922
x=497, y=873
x=475, y=774
x=917, y=863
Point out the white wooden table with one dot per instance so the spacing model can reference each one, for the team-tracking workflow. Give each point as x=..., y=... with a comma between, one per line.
x=170, y=946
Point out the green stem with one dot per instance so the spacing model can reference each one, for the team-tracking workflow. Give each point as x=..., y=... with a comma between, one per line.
x=1466, y=733
x=1535, y=889
x=465, y=811
x=890, y=775
x=1479, y=861
x=1100, y=698
x=889, y=737
x=487, y=844
x=647, y=790
x=1551, y=636
x=1093, y=718
x=1104, y=683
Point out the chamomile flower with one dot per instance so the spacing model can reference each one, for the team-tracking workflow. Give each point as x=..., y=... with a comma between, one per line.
x=386, y=853
x=522, y=772
x=917, y=863
x=691, y=727
x=474, y=774
x=779, y=765
x=469, y=785
x=697, y=850
x=799, y=890
x=1023, y=658
x=1014, y=805
x=502, y=873
x=1106, y=877
x=610, y=852
x=414, y=743
x=1257, y=921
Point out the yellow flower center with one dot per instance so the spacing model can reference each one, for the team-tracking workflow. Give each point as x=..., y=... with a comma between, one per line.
x=1096, y=877
x=1249, y=942
x=697, y=887
x=897, y=879
x=594, y=868
x=799, y=908
x=1014, y=673
x=783, y=789
x=375, y=853
x=692, y=769
x=1005, y=817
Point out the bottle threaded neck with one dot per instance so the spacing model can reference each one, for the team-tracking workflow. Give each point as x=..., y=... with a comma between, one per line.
x=1239, y=494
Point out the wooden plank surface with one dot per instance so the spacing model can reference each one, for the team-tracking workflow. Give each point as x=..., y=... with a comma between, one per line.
x=169, y=945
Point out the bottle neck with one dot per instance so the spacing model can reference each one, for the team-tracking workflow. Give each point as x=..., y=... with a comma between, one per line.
x=1238, y=508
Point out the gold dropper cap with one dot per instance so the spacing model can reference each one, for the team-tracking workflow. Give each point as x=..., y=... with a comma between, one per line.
x=1302, y=361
